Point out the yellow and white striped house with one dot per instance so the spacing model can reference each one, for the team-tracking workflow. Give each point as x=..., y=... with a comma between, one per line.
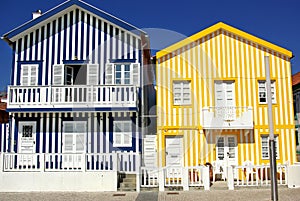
x=211, y=99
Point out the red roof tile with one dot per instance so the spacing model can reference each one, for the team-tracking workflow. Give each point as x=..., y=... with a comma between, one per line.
x=296, y=78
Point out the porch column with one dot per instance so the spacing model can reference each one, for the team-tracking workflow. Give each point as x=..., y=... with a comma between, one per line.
x=185, y=179
x=161, y=179
x=206, y=178
x=230, y=178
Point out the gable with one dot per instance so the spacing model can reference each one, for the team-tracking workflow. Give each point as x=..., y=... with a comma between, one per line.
x=61, y=10
x=224, y=28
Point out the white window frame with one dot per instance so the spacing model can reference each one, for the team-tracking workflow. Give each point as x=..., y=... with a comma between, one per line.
x=122, y=133
x=262, y=89
x=29, y=76
x=265, y=154
x=75, y=133
x=182, y=97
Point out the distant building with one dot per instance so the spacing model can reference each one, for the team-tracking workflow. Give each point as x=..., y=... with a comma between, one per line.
x=3, y=112
x=296, y=96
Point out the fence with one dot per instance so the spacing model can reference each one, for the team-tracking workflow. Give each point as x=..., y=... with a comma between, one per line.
x=259, y=175
x=128, y=162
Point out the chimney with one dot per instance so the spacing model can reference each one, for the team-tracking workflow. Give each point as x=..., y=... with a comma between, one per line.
x=36, y=14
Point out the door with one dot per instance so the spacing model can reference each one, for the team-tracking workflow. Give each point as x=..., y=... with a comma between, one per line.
x=174, y=151
x=226, y=151
x=73, y=144
x=27, y=143
x=225, y=100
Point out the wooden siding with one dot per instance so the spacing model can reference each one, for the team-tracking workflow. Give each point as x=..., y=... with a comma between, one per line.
x=223, y=55
x=99, y=136
x=74, y=34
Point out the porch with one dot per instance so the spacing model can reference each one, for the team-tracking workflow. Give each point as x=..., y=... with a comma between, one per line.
x=72, y=96
x=227, y=118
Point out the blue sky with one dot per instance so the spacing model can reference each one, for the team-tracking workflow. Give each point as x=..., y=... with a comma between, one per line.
x=277, y=21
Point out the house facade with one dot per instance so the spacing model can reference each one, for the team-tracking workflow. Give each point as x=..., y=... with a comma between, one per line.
x=211, y=100
x=76, y=98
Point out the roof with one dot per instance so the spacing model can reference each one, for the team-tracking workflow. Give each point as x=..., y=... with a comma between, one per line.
x=64, y=6
x=228, y=28
x=296, y=79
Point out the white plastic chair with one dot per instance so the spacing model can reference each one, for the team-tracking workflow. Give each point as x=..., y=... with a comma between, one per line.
x=217, y=169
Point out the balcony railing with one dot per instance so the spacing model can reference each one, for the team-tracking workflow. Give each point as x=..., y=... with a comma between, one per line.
x=72, y=96
x=227, y=118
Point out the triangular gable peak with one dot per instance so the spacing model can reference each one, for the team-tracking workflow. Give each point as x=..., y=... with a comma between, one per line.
x=222, y=28
x=60, y=11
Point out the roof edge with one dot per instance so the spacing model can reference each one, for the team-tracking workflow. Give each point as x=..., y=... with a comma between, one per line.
x=226, y=27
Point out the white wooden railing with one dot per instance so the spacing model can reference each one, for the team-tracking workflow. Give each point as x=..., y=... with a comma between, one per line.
x=259, y=175
x=76, y=95
x=185, y=177
x=128, y=162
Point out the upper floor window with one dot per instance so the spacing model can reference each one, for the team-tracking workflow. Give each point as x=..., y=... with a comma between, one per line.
x=182, y=92
x=262, y=91
x=29, y=74
x=122, y=134
x=265, y=147
x=122, y=73
x=76, y=74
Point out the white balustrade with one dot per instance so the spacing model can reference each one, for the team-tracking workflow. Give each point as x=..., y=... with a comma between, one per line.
x=72, y=95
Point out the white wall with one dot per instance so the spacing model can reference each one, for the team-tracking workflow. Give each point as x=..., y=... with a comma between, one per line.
x=58, y=181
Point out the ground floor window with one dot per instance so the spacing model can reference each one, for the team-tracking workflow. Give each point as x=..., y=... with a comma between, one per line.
x=74, y=134
x=122, y=134
x=265, y=147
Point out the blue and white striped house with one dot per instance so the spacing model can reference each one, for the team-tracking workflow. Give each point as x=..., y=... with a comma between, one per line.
x=76, y=99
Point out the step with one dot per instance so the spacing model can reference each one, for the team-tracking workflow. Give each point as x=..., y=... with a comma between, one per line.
x=129, y=180
x=128, y=185
x=219, y=185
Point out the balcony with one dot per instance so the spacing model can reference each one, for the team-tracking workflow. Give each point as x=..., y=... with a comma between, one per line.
x=75, y=96
x=227, y=118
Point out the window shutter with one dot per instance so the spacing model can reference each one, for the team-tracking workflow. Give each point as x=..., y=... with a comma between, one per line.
x=33, y=75
x=117, y=139
x=92, y=73
x=127, y=139
x=109, y=74
x=68, y=143
x=24, y=75
x=136, y=74
x=58, y=75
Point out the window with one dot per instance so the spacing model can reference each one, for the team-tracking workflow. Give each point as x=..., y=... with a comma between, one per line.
x=182, y=92
x=265, y=147
x=27, y=131
x=122, y=73
x=262, y=92
x=29, y=74
x=74, y=133
x=122, y=134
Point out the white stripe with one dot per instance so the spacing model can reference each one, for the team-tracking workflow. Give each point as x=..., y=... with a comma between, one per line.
x=107, y=135
x=47, y=133
x=95, y=133
x=91, y=39
x=89, y=134
x=244, y=75
x=248, y=67
x=85, y=36
x=49, y=51
x=169, y=88
x=282, y=134
x=62, y=40
x=101, y=133
x=131, y=46
x=96, y=50
x=16, y=64
x=73, y=54
x=28, y=47
x=125, y=45
x=137, y=42
x=56, y=43
x=53, y=134
x=44, y=57
x=288, y=146
x=80, y=21
x=137, y=147
x=13, y=126
x=228, y=50
x=191, y=141
x=184, y=67
x=107, y=43
x=41, y=132
x=68, y=37
x=178, y=62
x=203, y=59
x=33, y=45
x=223, y=58
x=102, y=62
x=214, y=58
x=242, y=147
x=59, y=141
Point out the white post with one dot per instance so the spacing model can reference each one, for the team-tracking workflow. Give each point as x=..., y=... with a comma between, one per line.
x=185, y=179
x=161, y=179
x=230, y=178
x=115, y=161
x=206, y=178
x=138, y=172
x=1, y=161
x=42, y=162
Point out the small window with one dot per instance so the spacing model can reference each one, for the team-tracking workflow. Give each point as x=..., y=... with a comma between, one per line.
x=262, y=92
x=122, y=134
x=182, y=92
x=29, y=74
x=27, y=131
x=265, y=147
x=122, y=73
